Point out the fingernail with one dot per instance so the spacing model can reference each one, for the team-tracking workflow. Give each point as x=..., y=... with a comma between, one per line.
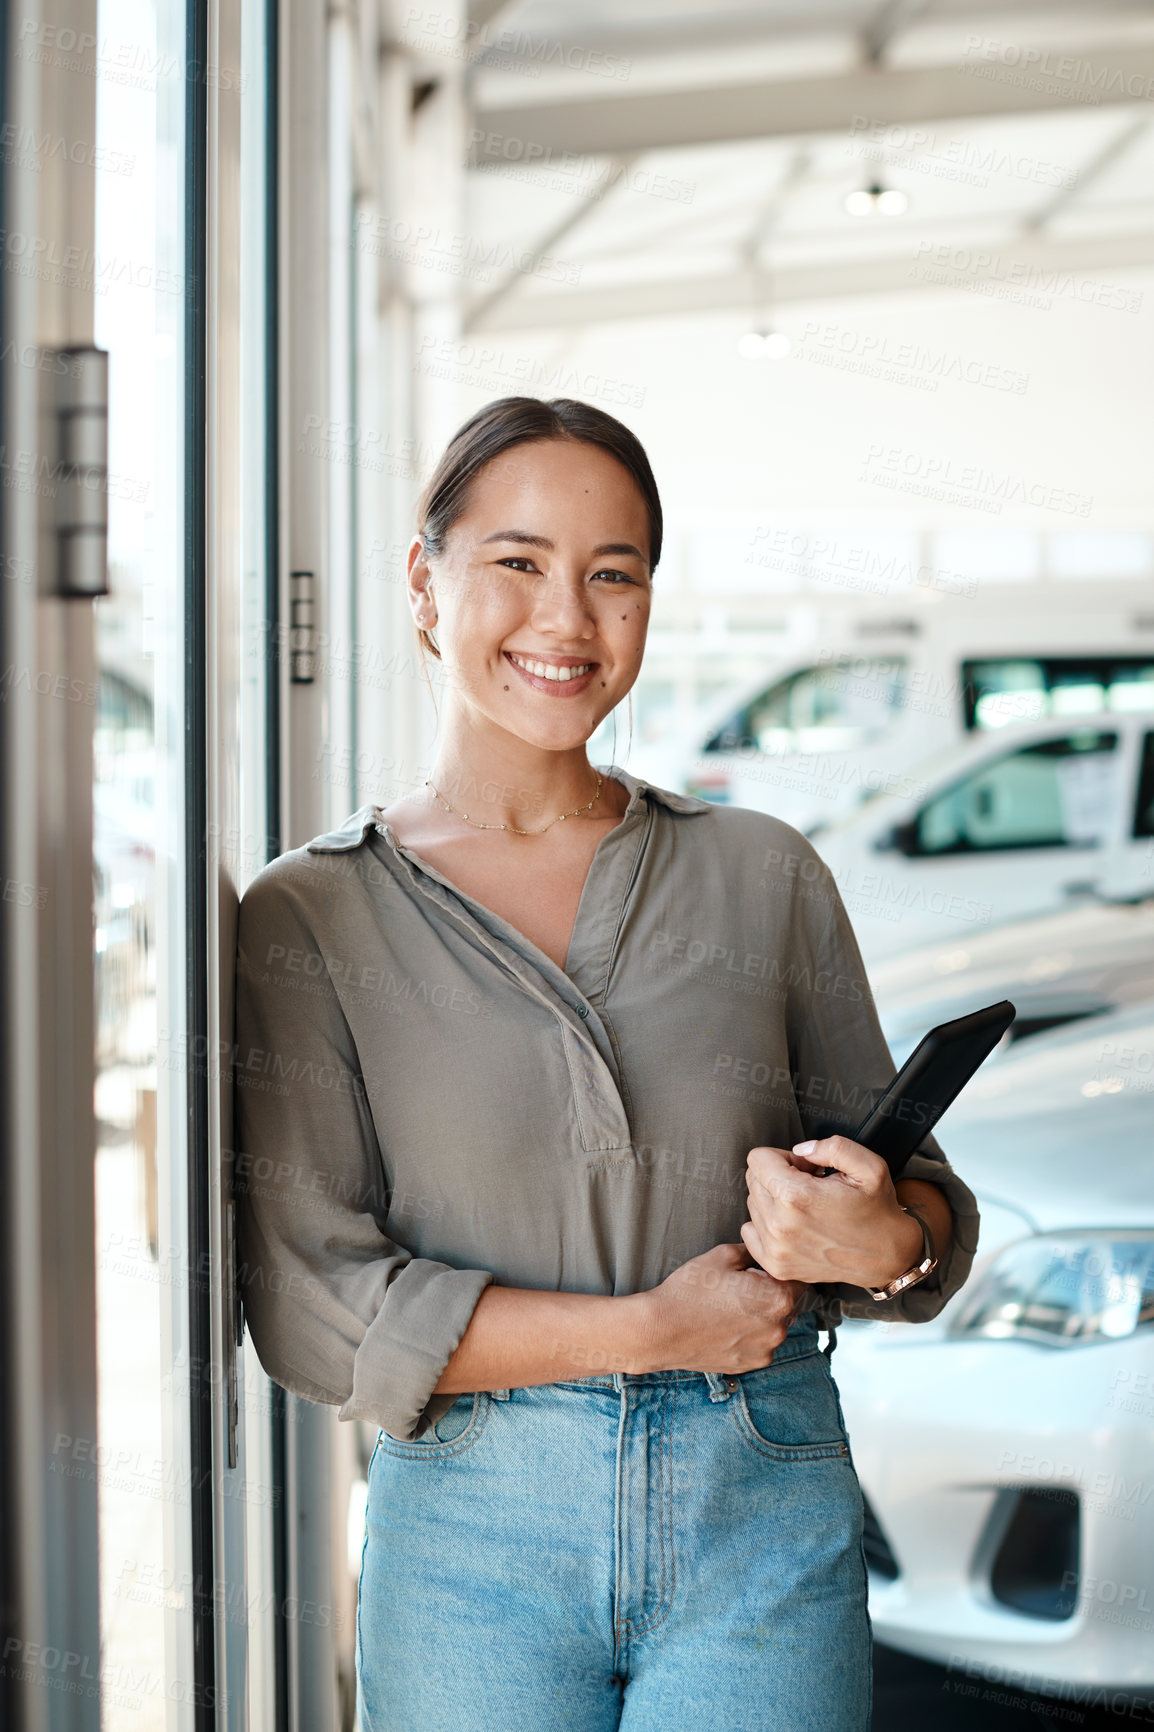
x=805, y=1148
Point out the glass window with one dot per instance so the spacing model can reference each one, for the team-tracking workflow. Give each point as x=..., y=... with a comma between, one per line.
x=1077, y=692
x=1004, y=691
x=1024, y=688
x=990, y=555
x=1144, y=807
x=861, y=559
x=824, y=709
x=141, y=1239
x=1091, y=553
x=1131, y=688
x=146, y=762
x=1053, y=794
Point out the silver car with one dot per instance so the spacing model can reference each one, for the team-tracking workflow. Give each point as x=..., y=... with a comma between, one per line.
x=1056, y=968
x=1007, y=1449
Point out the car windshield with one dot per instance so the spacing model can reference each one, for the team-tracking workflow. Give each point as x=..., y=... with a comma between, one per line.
x=831, y=707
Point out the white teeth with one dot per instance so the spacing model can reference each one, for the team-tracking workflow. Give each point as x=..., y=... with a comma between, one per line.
x=548, y=671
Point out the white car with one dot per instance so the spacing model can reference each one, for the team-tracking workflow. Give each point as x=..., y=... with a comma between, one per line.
x=1009, y=824
x=1006, y=1449
x=815, y=735
x=1056, y=968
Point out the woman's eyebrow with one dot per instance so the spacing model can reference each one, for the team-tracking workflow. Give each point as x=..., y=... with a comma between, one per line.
x=521, y=535
x=526, y=539
x=617, y=547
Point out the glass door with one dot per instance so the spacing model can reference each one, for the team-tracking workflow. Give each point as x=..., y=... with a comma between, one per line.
x=190, y=1609
x=146, y=1278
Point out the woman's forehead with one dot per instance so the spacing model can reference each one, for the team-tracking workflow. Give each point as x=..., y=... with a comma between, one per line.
x=551, y=475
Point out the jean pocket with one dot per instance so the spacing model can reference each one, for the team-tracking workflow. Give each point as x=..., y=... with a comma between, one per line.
x=458, y=1429
x=790, y=1410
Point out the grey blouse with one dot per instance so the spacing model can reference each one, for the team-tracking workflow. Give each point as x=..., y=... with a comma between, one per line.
x=427, y=1103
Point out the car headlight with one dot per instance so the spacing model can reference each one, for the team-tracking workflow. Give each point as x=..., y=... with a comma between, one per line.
x=1065, y=1289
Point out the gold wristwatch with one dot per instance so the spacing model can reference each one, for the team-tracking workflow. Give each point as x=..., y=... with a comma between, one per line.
x=919, y=1271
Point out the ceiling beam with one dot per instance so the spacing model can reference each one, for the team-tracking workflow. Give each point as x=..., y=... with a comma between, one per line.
x=485, y=304
x=484, y=12
x=1092, y=172
x=765, y=220
x=486, y=20
x=606, y=124
x=1043, y=267
x=884, y=24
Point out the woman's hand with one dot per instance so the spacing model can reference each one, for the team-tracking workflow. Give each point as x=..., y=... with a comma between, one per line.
x=719, y=1313
x=847, y=1227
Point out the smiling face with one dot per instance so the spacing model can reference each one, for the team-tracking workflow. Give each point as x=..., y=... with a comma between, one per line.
x=542, y=591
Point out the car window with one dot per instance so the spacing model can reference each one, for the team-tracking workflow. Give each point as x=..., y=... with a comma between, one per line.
x=1003, y=689
x=827, y=708
x=1051, y=794
x=1144, y=806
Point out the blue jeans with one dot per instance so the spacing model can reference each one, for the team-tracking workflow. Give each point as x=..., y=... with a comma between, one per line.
x=654, y=1553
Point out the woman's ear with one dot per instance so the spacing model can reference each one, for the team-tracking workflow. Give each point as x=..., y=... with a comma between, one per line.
x=420, y=583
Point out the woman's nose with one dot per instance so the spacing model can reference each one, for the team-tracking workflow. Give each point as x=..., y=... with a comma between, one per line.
x=564, y=610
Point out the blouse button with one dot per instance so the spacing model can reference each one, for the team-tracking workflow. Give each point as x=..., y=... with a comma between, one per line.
x=583, y=1011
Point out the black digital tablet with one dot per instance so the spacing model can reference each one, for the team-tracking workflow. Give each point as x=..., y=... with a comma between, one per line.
x=932, y=1077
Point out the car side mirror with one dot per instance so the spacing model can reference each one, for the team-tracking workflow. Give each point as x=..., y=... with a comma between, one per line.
x=901, y=839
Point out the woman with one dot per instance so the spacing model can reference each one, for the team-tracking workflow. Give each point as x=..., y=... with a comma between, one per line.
x=555, y=1057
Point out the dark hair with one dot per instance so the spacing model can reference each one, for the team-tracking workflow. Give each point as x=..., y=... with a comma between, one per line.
x=511, y=421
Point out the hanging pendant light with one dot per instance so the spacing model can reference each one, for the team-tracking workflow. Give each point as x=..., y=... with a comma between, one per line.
x=876, y=199
x=761, y=342
x=763, y=345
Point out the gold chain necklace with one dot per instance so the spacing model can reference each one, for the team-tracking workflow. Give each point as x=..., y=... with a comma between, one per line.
x=512, y=828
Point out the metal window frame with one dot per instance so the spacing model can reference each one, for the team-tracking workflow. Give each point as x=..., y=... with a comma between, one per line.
x=49, y=1534
x=274, y=745
x=9, y=1389
x=200, y=1411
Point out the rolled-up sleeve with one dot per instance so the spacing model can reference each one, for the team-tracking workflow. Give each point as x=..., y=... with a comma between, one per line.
x=338, y=1311
x=843, y=1066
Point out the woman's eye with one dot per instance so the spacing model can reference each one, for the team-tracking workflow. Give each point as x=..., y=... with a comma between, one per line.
x=518, y=564
x=617, y=576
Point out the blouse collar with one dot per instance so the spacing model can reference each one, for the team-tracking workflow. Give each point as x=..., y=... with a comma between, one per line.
x=351, y=834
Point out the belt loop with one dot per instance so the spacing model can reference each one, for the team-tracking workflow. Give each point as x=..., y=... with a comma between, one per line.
x=720, y=1388
x=831, y=1330
x=619, y=1378
x=499, y=1394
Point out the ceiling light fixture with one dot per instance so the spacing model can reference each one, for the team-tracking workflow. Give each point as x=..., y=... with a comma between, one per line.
x=763, y=345
x=876, y=200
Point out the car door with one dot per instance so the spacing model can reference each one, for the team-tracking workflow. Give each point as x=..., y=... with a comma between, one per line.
x=1022, y=831
x=1132, y=870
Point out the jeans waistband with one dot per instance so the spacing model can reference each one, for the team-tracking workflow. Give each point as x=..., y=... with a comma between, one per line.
x=796, y=1343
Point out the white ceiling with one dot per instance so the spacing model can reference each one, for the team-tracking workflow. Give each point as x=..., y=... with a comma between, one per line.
x=646, y=159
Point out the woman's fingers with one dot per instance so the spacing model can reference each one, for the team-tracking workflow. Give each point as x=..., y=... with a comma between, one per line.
x=752, y=1241
x=770, y=1168
x=850, y=1159
x=721, y=1309
x=847, y=1226
x=802, y=1173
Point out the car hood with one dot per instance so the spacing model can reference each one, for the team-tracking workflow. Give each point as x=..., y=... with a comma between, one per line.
x=1056, y=966
x=1060, y=1130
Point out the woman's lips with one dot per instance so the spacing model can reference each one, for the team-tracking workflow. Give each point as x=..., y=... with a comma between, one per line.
x=555, y=688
